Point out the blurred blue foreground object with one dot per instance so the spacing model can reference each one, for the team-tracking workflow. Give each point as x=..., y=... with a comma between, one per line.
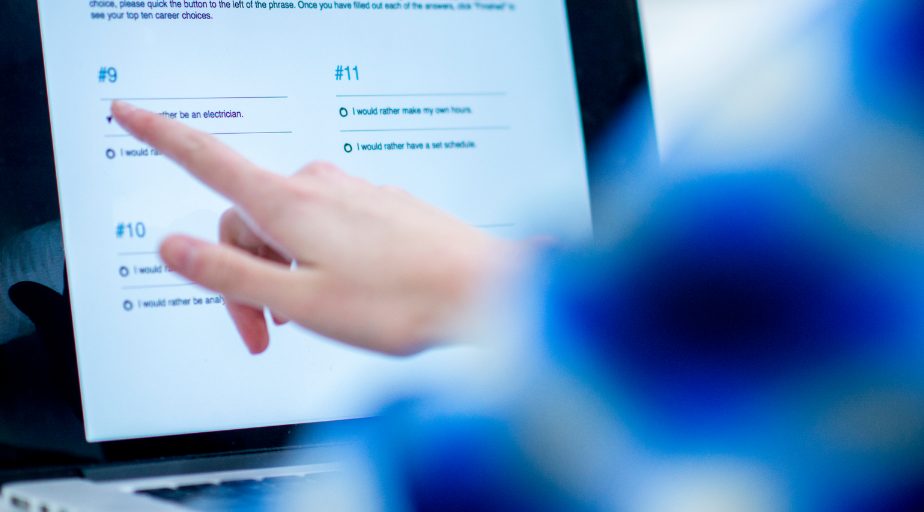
x=742, y=329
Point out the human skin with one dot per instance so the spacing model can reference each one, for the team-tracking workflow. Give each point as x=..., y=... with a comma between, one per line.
x=374, y=266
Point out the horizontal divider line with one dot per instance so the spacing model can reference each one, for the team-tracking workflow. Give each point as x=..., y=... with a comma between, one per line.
x=200, y=98
x=425, y=94
x=502, y=225
x=246, y=133
x=141, y=286
x=432, y=129
x=211, y=133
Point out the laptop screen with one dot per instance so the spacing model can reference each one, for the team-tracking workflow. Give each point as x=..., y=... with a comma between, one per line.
x=470, y=106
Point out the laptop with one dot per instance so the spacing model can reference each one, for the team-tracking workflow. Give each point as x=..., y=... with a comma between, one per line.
x=471, y=106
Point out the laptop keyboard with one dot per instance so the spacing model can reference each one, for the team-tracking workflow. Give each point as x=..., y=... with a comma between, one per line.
x=237, y=495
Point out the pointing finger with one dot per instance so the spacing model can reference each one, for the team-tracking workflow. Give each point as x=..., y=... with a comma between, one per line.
x=212, y=162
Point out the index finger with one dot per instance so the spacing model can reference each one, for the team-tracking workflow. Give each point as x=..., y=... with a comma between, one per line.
x=212, y=162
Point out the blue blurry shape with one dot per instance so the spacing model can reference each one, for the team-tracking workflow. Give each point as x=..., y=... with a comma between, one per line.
x=888, y=53
x=731, y=285
x=451, y=461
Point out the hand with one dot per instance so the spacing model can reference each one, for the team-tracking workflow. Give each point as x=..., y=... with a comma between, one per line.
x=375, y=267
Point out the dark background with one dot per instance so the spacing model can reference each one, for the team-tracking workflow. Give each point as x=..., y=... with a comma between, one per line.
x=610, y=70
x=28, y=194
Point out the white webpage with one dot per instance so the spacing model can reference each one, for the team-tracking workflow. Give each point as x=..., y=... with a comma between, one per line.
x=470, y=106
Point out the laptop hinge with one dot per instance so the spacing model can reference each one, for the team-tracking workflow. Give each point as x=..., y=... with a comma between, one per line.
x=204, y=464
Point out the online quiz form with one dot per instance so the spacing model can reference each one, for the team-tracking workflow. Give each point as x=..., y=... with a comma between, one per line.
x=471, y=106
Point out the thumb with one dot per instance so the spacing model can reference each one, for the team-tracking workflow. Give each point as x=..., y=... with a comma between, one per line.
x=239, y=275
